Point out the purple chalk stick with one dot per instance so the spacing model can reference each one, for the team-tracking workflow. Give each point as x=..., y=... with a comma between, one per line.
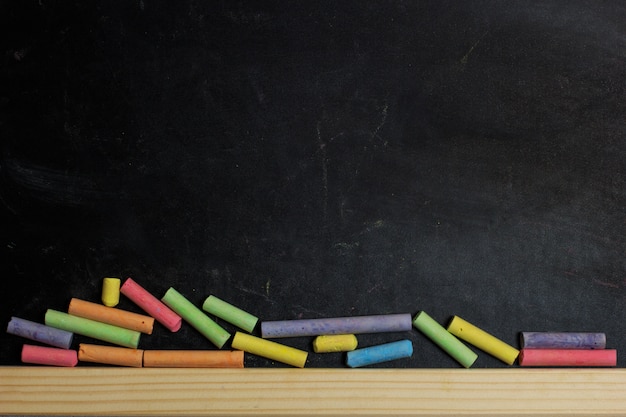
x=40, y=333
x=337, y=325
x=562, y=340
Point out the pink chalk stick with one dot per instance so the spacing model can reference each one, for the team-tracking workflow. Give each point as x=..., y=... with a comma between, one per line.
x=151, y=305
x=45, y=355
x=568, y=357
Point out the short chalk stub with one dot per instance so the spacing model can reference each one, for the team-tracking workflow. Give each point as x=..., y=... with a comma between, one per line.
x=40, y=333
x=335, y=343
x=111, y=291
x=562, y=340
x=568, y=357
x=380, y=353
x=44, y=355
x=444, y=339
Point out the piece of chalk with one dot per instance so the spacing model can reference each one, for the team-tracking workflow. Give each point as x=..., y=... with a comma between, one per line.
x=45, y=355
x=379, y=353
x=227, y=312
x=193, y=359
x=334, y=343
x=482, y=340
x=40, y=332
x=110, y=355
x=195, y=317
x=151, y=305
x=270, y=350
x=114, y=316
x=568, y=357
x=562, y=340
x=111, y=291
x=444, y=339
x=91, y=328
x=336, y=325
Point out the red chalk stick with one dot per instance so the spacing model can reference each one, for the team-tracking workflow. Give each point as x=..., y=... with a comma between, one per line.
x=44, y=355
x=567, y=357
x=151, y=305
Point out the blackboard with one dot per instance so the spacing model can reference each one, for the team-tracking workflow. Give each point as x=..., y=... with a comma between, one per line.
x=318, y=159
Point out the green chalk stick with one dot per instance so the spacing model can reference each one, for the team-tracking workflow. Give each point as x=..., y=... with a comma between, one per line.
x=196, y=317
x=447, y=341
x=91, y=328
x=230, y=313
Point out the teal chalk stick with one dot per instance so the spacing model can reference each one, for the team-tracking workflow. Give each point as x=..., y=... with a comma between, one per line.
x=195, y=317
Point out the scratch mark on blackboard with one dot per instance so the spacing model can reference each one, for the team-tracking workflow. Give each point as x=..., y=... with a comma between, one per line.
x=382, y=122
x=605, y=283
x=267, y=287
x=466, y=56
x=260, y=294
x=324, y=157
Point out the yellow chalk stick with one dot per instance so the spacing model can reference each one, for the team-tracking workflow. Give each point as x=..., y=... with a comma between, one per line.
x=269, y=349
x=110, y=291
x=482, y=340
x=334, y=343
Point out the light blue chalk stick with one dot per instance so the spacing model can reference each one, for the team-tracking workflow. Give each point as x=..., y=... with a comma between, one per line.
x=380, y=353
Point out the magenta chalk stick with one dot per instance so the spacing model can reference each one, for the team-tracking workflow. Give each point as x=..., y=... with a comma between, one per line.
x=40, y=332
x=44, y=355
x=337, y=325
x=568, y=357
x=151, y=305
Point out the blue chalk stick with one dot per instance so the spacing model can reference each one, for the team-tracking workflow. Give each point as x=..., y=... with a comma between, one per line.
x=380, y=353
x=40, y=332
x=562, y=340
x=337, y=325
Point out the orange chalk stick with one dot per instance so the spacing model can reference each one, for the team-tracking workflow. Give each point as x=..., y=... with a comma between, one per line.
x=568, y=357
x=193, y=358
x=110, y=315
x=111, y=355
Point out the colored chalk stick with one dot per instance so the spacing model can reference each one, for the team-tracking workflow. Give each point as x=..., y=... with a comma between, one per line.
x=44, y=355
x=562, y=340
x=444, y=339
x=91, y=328
x=151, y=305
x=568, y=357
x=40, y=333
x=378, y=354
x=110, y=355
x=334, y=343
x=109, y=315
x=111, y=291
x=233, y=315
x=270, y=350
x=195, y=317
x=336, y=325
x=482, y=340
x=193, y=359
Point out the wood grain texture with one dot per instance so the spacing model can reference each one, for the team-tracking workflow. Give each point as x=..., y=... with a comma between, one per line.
x=312, y=392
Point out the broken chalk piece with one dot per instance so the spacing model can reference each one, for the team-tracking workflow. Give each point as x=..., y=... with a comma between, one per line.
x=110, y=291
x=334, y=343
x=114, y=316
x=228, y=312
x=268, y=349
x=380, y=353
x=193, y=359
x=110, y=355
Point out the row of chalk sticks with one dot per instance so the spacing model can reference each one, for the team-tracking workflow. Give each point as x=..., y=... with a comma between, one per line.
x=122, y=329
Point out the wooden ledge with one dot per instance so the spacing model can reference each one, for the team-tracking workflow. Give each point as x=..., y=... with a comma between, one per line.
x=113, y=391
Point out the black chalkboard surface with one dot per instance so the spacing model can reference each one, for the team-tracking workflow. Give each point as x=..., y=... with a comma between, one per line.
x=319, y=159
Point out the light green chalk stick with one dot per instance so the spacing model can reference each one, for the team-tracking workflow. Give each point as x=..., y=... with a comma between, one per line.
x=447, y=341
x=230, y=313
x=195, y=317
x=91, y=328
